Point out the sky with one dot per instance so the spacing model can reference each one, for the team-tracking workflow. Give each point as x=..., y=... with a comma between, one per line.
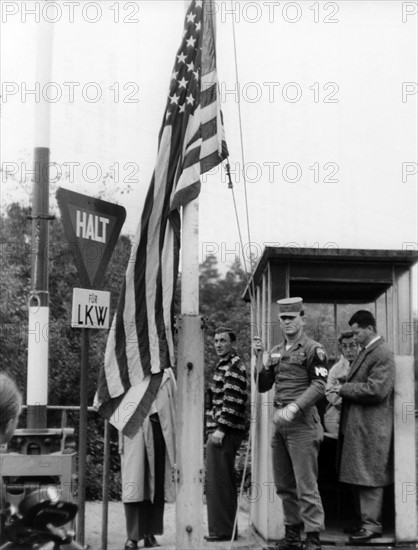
x=319, y=102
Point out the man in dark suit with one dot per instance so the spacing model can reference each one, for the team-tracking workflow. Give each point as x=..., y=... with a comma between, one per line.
x=366, y=429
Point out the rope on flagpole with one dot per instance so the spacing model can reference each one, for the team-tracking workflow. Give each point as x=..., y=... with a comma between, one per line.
x=253, y=311
x=241, y=137
x=251, y=288
x=250, y=285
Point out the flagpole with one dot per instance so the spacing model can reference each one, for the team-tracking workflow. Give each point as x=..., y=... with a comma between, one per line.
x=190, y=384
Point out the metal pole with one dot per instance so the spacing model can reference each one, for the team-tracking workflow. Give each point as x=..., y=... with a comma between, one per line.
x=190, y=377
x=37, y=380
x=82, y=441
x=105, y=494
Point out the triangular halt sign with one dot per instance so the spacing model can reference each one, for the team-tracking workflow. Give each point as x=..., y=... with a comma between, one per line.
x=92, y=227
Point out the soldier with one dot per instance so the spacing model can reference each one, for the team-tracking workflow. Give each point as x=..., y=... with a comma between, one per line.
x=298, y=369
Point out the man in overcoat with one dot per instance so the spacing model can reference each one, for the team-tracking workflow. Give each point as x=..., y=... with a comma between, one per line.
x=146, y=465
x=366, y=428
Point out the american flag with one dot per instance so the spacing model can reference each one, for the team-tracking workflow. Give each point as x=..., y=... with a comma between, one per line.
x=191, y=141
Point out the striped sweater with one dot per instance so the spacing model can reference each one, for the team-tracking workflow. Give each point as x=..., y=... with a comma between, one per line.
x=228, y=395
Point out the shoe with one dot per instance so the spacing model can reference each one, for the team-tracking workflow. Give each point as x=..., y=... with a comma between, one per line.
x=351, y=529
x=150, y=541
x=218, y=538
x=131, y=544
x=312, y=541
x=292, y=540
x=363, y=535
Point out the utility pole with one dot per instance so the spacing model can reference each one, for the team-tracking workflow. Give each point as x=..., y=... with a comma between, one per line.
x=38, y=326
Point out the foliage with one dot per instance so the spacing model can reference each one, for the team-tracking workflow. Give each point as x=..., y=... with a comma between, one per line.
x=220, y=299
x=221, y=303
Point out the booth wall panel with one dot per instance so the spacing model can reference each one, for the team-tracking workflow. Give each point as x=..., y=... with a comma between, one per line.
x=404, y=445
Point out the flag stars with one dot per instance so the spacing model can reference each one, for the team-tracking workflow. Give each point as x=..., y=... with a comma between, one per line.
x=174, y=99
x=198, y=25
x=191, y=42
x=190, y=99
x=190, y=66
x=174, y=75
x=191, y=17
x=183, y=82
x=182, y=108
x=181, y=57
x=199, y=3
x=196, y=74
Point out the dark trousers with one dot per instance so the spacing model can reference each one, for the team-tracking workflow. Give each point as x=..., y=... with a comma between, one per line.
x=221, y=485
x=146, y=518
x=295, y=447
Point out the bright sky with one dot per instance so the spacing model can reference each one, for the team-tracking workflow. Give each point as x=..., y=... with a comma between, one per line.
x=327, y=93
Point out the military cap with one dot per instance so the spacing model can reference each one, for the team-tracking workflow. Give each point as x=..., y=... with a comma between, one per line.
x=290, y=306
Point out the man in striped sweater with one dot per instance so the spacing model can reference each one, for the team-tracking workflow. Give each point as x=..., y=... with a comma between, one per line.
x=225, y=423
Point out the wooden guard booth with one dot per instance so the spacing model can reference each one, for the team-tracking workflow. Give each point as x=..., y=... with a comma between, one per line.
x=334, y=283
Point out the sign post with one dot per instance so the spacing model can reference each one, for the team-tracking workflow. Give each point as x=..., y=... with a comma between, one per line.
x=92, y=227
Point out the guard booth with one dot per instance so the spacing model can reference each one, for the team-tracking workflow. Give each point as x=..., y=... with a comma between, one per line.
x=334, y=283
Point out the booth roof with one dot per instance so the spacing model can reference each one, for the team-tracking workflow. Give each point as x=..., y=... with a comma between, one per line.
x=315, y=288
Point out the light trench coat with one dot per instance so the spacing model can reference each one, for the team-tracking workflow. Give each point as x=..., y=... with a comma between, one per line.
x=137, y=454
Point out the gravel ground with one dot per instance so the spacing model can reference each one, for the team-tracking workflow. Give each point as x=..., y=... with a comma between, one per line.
x=117, y=536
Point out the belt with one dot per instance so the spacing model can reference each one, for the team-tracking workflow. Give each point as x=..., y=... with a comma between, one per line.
x=280, y=404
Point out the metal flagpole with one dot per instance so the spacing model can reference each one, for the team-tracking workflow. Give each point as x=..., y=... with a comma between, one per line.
x=37, y=380
x=190, y=378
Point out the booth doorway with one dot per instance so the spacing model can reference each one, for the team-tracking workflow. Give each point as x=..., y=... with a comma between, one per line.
x=334, y=283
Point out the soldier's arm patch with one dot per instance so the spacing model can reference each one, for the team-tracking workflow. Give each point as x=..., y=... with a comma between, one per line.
x=321, y=372
x=321, y=354
x=318, y=366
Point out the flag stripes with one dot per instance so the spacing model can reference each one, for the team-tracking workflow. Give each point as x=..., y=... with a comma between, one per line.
x=191, y=141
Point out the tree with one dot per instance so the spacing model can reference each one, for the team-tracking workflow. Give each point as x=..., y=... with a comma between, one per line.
x=220, y=303
x=64, y=342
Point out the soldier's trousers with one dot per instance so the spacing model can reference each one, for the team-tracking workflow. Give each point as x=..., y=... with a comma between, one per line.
x=295, y=447
x=221, y=485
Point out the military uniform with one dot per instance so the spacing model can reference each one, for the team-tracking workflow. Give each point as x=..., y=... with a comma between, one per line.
x=298, y=370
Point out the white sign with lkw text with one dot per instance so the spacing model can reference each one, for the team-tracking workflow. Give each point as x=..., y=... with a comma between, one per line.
x=90, y=308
